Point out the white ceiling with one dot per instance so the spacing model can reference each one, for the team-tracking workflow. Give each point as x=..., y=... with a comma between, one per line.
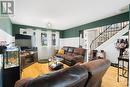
x=64, y=14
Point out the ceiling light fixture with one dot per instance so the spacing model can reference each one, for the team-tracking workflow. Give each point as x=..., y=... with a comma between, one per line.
x=49, y=25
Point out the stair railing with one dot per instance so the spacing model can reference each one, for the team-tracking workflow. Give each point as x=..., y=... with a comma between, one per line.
x=110, y=31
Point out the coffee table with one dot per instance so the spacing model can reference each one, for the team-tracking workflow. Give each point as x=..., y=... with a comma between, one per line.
x=54, y=63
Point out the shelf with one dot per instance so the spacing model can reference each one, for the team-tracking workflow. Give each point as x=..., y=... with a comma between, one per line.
x=28, y=58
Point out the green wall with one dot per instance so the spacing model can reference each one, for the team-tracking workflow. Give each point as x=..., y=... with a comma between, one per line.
x=5, y=24
x=126, y=34
x=16, y=28
x=74, y=32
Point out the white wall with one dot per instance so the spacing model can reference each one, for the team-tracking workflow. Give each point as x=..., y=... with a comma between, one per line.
x=109, y=46
x=74, y=42
x=112, y=53
x=4, y=36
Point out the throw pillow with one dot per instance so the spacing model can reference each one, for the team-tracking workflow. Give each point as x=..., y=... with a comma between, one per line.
x=61, y=51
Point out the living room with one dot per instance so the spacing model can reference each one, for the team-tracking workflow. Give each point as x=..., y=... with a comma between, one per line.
x=51, y=37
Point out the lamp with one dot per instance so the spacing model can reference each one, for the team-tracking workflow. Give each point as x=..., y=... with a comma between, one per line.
x=49, y=25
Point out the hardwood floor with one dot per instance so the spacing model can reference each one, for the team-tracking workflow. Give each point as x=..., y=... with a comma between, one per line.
x=36, y=69
x=109, y=79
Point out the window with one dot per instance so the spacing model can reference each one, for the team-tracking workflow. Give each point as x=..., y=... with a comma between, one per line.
x=44, y=39
x=53, y=39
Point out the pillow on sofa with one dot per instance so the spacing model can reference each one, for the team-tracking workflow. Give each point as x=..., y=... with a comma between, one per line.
x=61, y=51
x=71, y=49
x=65, y=48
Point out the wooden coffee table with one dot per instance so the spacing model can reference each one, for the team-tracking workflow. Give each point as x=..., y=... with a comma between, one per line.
x=36, y=70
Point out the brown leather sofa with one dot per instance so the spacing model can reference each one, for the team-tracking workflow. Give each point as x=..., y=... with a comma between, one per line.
x=84, y=75
x=96, y=70
x=72, y=55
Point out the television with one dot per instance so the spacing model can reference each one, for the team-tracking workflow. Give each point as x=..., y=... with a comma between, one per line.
x=23, y=41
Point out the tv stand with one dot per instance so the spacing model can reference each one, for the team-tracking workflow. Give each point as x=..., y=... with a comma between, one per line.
x=27, y=58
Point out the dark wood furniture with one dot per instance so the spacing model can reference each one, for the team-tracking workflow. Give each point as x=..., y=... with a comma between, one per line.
x=28, y=57
x=124, y=71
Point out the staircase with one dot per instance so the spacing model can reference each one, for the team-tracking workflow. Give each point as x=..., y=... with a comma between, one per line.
x=107, y=33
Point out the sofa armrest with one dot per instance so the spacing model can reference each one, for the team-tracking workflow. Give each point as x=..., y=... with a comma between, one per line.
x=22, y=82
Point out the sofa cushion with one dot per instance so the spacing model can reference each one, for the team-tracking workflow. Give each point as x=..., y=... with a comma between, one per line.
x=79, y=58
x=79, y=51
x=71, y=49
x=68, y=54
x=75, y=76
x=65, y=48
x=69, y=57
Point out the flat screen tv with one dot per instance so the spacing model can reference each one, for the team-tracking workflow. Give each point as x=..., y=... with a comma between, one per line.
x=23, y=41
